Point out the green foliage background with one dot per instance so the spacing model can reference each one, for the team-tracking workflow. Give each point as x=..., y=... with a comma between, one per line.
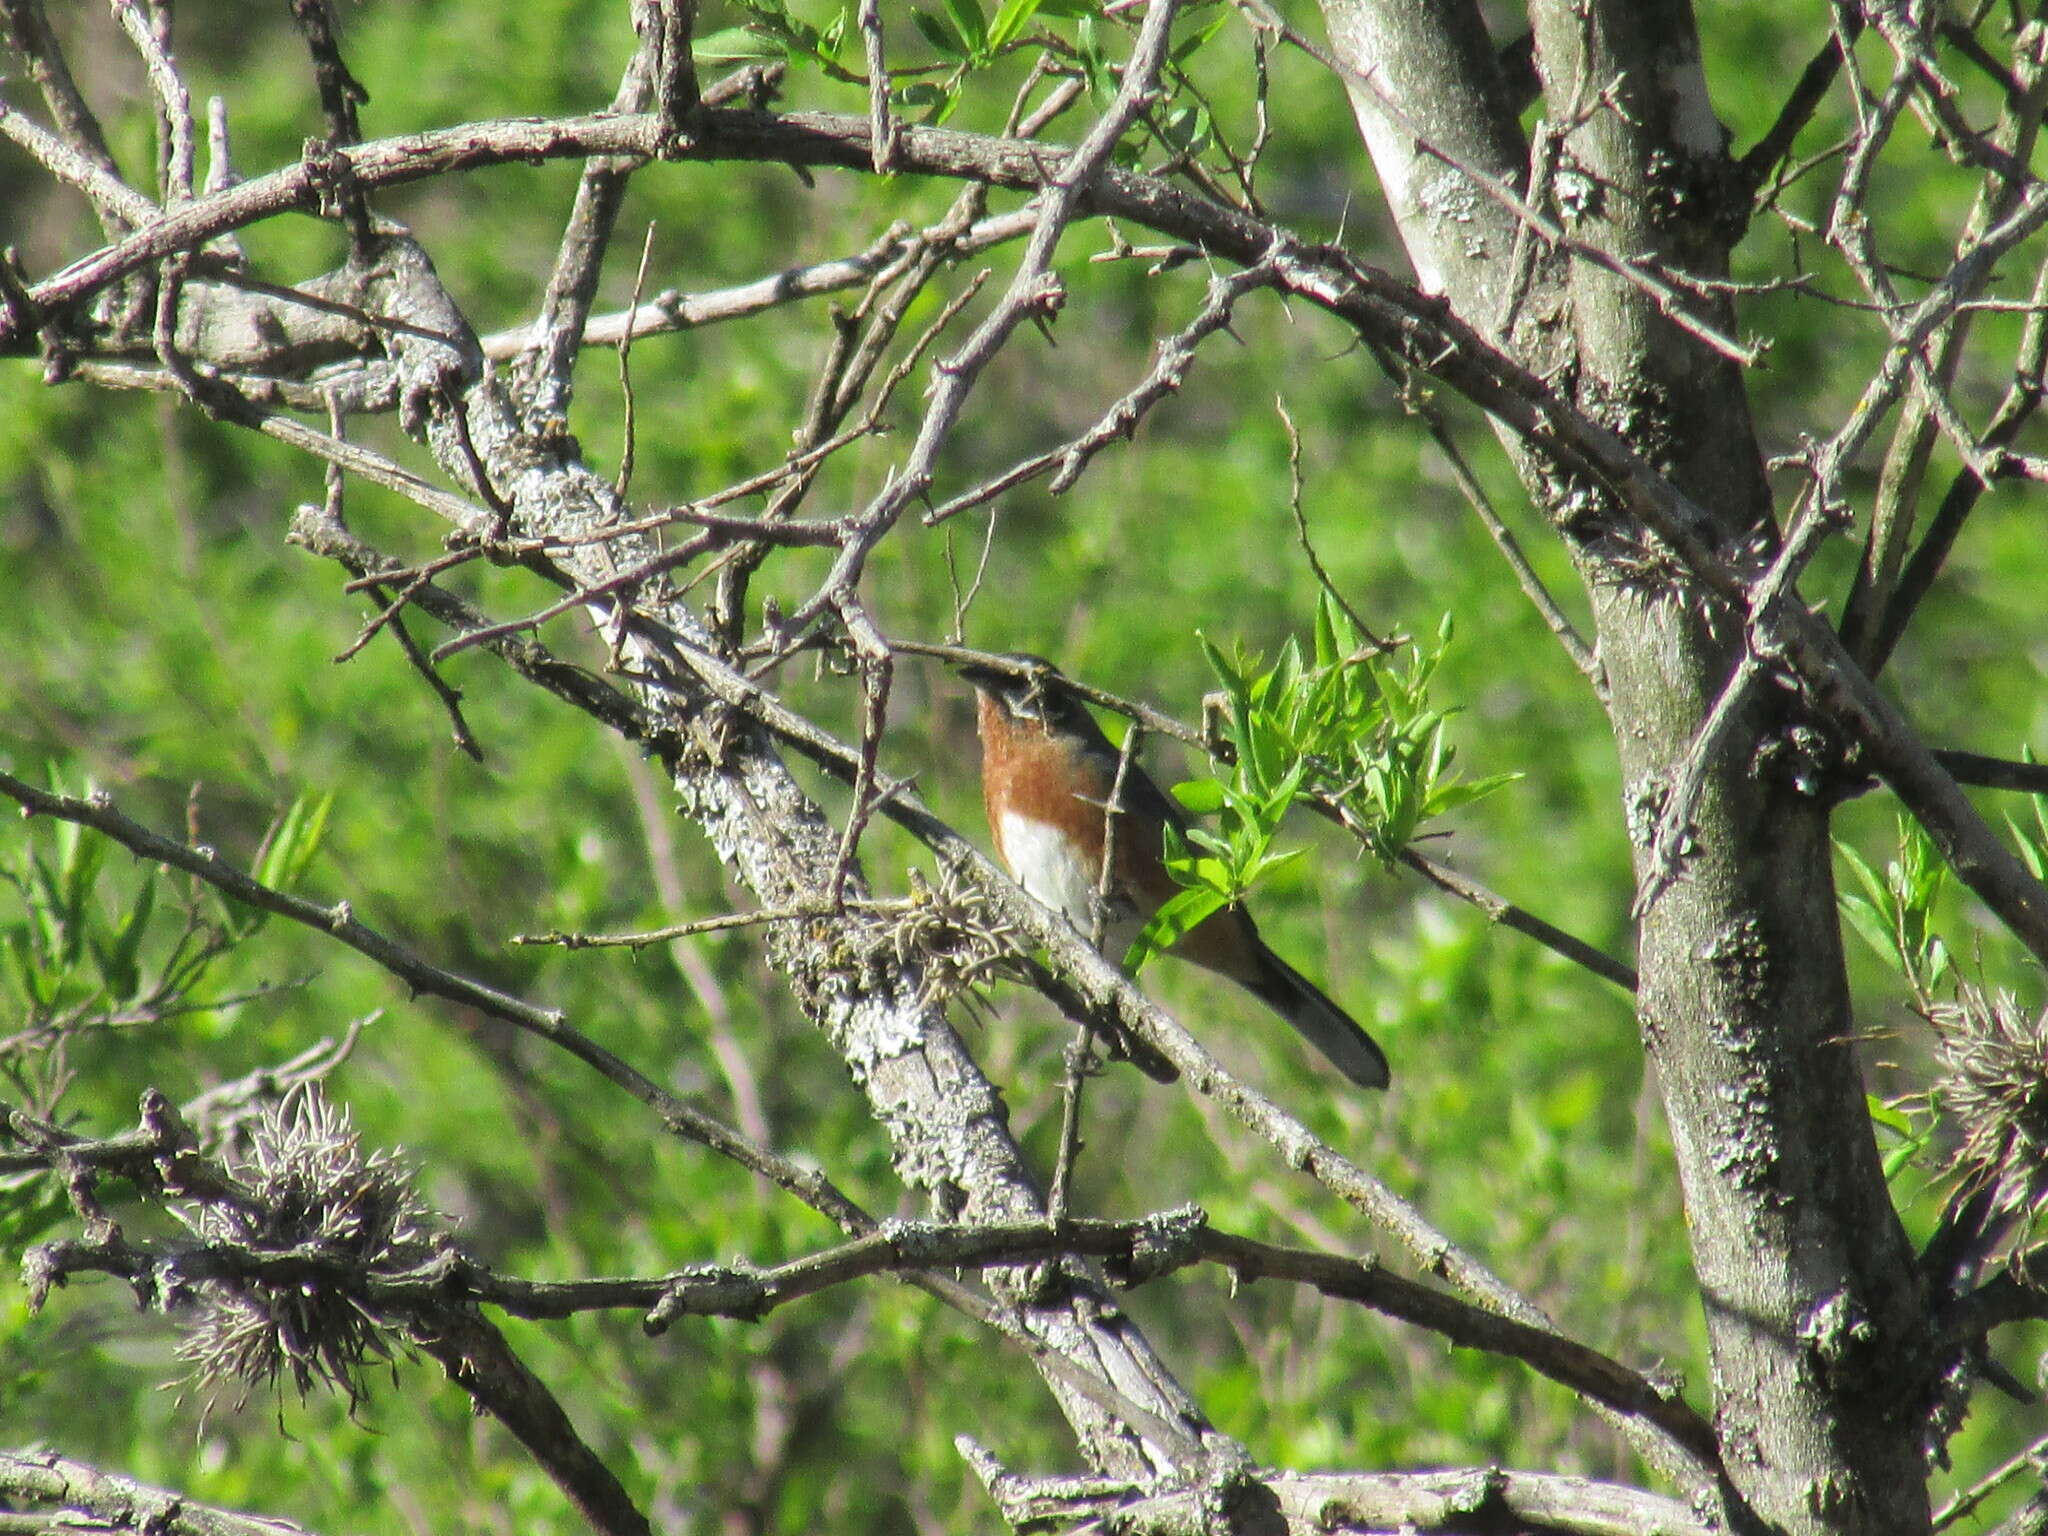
x=161, y=636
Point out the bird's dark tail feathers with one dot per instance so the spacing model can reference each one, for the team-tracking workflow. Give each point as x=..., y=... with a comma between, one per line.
x=1321, y=1022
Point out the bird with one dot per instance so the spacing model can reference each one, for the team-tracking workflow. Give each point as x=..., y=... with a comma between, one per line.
x=1047, y=774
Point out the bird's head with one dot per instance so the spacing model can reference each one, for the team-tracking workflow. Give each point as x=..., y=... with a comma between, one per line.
x=1027, y=687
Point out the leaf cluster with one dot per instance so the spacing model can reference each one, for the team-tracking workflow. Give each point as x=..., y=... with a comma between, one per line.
x=1349, y=729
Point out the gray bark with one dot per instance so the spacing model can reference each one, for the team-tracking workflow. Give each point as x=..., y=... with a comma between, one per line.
x=1813, y=1299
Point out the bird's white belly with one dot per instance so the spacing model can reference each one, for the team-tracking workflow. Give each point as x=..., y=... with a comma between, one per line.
x=1047, y=864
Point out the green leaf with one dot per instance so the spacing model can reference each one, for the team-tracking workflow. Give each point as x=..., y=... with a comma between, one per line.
x=1880, y=893
x=1012, y=16
x=117, y=961
x=1185, y=50
x=1176, y=917
x=923, y=96
x=969, y=23
x=1200, y=797
x=2031, y=853
x=1887, y=1115
x=1185, y=131
x=1870, y=924
x=1266, y=863
x=1936, y=960
x=22, y=969
x=1328, y=651
x=78, y=866
x=937, y=35
x=1449, y=797
x=733, y=45
x=294, y=841
x=45, y=906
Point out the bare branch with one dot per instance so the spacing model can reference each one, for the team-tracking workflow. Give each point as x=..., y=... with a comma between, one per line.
x=148, y=27
x=1810, y=90
x=1304, y=1503
x=477, y=1359
x=79, y=1492
x=1500, y=910
x=30, y=35
x=546, y=370
x=1172, y=359
x=1034, y=291
x=118, y=203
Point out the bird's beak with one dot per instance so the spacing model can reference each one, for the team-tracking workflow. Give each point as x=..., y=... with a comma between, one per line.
x=987, y=678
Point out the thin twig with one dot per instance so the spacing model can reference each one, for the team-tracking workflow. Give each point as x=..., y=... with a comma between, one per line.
x=881, y=125
x=1295, y=488
x=1172, y=358
x=1080, y=1059
x=628, y=439
x=2033, y=1458
x=140, y=20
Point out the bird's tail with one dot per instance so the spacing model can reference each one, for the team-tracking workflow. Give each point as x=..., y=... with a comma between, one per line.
x=1321, y=1022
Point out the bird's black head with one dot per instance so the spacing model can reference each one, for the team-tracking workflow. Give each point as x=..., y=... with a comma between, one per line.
x=1029, y=687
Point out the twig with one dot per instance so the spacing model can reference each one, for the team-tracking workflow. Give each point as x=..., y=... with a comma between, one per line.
x=1547, y=607
x=627, y=435
x=449, y=696
x=1172, y=358
x=1080, y=1060
x=340, y=94
x=1926, y=410
x=1295, y=487
x=2032, y=1459
x=1807, y=94
x=962, y=601
x=674, y=311
x=476, y=1357
x=665, y=28
x=877, y=670
x=121, y=208
x=725, y=923
x=142, y=21
x=881, y=125
x=1034, y=290
x=354, y=457
x=2022, y=399
x=1504, y=912
x=30, y=33
x=547, y=361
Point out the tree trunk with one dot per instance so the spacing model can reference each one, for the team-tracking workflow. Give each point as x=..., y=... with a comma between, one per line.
x=1812, y=1293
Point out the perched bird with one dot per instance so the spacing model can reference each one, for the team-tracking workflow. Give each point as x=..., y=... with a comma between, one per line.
x=1047, y=772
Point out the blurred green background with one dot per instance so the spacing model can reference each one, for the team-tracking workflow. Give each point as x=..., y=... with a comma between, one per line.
x=161, y=636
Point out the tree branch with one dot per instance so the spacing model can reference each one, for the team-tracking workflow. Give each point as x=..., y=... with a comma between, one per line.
x=75, y=1489
x=1457, y=1501
x=682, y=1119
